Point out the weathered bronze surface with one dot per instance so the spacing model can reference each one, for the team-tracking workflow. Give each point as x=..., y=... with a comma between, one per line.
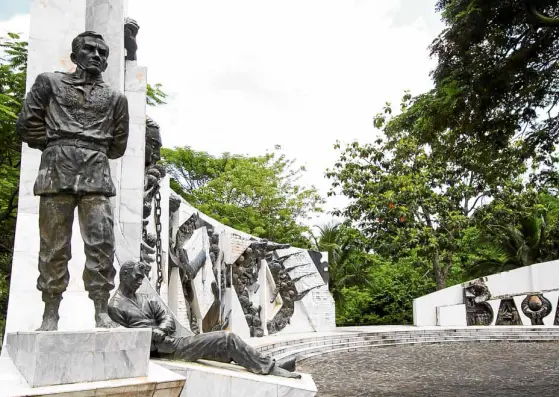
x=133, y=310
x=536, y=307
x=79, y=122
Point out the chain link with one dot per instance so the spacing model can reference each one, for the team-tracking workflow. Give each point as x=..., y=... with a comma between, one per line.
x=157, y=216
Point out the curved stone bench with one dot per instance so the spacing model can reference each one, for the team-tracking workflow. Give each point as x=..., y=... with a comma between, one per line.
x=307, y=346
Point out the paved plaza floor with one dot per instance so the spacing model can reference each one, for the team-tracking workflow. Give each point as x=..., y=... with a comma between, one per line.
x=493, y=369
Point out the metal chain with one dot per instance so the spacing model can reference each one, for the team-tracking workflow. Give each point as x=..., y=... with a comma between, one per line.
x=157, y=216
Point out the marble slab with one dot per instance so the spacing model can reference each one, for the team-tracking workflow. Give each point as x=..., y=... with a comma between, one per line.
x=159, y=382
x=552, y=296
x=203, y=296
x=318, y=303
x=63, y=357
x=237, y=321
x=271, y=307
x=495, y=305
x=212, y=379
x=452, y=315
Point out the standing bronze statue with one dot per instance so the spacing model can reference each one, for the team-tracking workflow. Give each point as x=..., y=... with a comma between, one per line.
x=79, y=122
x=134, y=310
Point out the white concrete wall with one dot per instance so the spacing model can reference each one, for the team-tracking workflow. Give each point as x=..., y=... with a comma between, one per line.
x=540, y=277
x=448, y=316
x=315, y=312
x=424, y=308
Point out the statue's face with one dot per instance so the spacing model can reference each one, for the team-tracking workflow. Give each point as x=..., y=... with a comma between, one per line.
x=153, y=146
x=133, y=279
x=92, y=55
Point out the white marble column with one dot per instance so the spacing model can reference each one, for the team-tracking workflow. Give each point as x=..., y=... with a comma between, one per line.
x=131, y=191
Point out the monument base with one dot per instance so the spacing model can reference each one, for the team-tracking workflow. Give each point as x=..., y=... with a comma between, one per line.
x=213, y=379
x=160, y=382
x=63, y=357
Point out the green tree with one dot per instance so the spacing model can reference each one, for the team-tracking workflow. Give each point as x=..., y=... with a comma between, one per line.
x=349, y=262
x=259, y=195
x=523, y=233
x=388, y=298
x=496, y=82
x=12, y=90
x=405, y=195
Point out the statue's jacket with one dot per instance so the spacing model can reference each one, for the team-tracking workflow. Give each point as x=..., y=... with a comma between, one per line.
x=79, y=122
x=142, y=312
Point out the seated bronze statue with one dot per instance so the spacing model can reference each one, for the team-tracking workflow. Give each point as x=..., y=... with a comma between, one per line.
x=133, y=310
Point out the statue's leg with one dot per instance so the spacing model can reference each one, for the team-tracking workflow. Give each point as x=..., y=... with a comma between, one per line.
x=225, y=347
x=96, y=225
x=56, y=215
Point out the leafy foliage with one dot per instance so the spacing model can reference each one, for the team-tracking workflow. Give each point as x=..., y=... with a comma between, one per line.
x=497, y=76
x=349, y=262
x=155, y=95
x=258, y=195
x=12, y=90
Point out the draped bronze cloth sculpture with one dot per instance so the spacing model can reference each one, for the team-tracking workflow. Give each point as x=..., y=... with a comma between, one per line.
x=79, y=122
x=133, y=310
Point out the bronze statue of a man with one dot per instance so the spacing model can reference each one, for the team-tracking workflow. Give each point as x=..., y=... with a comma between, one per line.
x=79, y=122
x=134, y=310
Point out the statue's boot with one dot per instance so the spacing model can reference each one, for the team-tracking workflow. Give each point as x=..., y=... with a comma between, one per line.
x=278, y=371
x=50, y=315
x=102, y=319
x=289, y=364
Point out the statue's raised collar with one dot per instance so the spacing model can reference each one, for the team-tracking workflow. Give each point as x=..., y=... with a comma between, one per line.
x=81, y=77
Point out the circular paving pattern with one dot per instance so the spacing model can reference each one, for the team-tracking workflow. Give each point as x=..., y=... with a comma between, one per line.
x=497, y=369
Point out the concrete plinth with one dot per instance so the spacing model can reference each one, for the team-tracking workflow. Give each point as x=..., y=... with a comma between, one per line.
x=212, y=379
x=58, y=358
x=160, y=382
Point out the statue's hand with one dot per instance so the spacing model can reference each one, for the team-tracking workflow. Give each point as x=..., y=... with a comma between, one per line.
x=158, y=335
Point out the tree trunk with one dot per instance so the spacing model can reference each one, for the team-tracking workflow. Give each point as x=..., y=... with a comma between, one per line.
x=439, y=274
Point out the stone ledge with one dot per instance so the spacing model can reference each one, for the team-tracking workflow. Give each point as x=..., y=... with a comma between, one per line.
x=213, y=379
x=160, y=382
x=64, y=357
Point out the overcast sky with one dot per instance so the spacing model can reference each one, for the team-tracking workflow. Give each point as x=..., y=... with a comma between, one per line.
x=243, y=76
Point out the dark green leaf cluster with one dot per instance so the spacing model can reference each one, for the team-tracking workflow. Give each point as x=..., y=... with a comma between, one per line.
x=13, y=63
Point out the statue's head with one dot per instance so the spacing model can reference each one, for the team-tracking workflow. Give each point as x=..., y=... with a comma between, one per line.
x=153, y=142
x=535, y=303
x=90, y=52
x=132, y=274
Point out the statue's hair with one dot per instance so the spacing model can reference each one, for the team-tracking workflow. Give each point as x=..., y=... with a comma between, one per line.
x=128, y=266
x=150, y=123
x=153, y=135
x=79, y=40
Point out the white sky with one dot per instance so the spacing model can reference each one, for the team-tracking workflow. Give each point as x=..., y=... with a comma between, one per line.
x=243, y=76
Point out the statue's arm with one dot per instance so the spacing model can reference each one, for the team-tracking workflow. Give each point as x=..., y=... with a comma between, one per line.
x=165, y=320
x=31, y=125
x=120, y=129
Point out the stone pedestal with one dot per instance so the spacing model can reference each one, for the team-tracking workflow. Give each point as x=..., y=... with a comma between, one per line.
x=58, y=358
x=213, y=379
x=160, y=382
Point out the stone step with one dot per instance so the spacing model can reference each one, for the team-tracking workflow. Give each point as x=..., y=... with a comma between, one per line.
x=350, y=346
x=304, y=356
x=376, y=336
x=364, y=341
